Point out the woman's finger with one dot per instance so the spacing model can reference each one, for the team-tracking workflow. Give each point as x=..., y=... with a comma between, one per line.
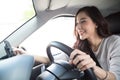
x=75, y=52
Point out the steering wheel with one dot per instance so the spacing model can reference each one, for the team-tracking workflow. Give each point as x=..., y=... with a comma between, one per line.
x=67, y=50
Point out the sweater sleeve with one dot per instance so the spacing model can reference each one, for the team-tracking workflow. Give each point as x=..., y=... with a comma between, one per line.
x=114, y=58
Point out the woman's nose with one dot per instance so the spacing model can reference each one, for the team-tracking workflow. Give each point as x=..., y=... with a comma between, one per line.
x=79, y=26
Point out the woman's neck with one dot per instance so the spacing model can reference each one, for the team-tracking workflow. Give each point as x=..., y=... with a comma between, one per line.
x=95, y=43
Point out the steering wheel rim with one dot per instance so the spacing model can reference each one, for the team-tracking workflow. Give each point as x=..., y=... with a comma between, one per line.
x=67, y=50
x=60, y=46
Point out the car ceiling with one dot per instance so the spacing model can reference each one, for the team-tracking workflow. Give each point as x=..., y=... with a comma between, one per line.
x=106, y=6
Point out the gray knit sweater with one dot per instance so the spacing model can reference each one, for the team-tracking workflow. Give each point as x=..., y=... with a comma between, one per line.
x=108, y=55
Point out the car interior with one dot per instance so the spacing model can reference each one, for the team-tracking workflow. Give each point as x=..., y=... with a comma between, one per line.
x=22, y=67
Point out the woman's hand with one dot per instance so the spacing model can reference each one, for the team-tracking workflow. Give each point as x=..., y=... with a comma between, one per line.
x=18, y=51
x=81, y=60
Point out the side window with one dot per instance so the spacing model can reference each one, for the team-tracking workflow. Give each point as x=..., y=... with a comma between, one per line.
x=58, y=29
x=13, y=13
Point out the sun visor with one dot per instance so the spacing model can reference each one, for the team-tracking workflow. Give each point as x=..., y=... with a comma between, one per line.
x=56, y=4
x=41, y=5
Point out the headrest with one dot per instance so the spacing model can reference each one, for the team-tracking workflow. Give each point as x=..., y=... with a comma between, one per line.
x=114, y=22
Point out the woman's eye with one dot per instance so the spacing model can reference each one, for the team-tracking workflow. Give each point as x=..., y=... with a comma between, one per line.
x=82, y=21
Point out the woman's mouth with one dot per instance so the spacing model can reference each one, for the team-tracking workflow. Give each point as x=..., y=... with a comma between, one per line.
x=81, y=32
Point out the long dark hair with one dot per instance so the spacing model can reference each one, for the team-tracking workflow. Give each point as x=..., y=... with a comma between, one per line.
x=97, y=18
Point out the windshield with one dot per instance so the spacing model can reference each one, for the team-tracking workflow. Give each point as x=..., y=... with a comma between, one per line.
x=13, y=13
x=58, y=29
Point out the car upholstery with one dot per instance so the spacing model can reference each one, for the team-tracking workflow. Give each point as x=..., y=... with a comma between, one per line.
x=16, y=68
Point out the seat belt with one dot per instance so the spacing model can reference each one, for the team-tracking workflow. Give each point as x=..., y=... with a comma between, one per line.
x=94, y=57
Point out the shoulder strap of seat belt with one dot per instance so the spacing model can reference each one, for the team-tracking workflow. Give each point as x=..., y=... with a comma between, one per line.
x=94, y=58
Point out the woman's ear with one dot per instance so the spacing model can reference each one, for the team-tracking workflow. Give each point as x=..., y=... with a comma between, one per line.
x=96, y=26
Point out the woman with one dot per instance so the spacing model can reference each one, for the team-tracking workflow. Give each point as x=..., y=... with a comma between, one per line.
x=93, y=36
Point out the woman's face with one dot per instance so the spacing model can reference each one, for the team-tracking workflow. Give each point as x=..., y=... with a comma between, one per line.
x=85, y=27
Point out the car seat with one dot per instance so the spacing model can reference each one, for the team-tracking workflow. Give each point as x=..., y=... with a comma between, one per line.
x=16, y=68
x=114, y=22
